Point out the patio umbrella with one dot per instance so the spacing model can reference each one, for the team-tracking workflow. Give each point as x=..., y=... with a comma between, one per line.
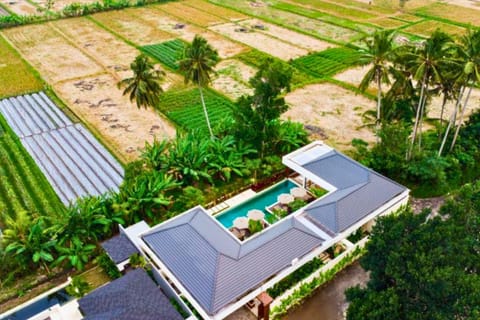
x=256, y=214
x=285, y=198
x=298, y=193
x=241, y=223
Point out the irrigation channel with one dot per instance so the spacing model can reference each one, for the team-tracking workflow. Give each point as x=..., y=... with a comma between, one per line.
x=329, y=303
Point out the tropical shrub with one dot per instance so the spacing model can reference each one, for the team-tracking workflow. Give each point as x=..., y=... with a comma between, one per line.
x=254, y=226
x=107, y=265
x=78, y=287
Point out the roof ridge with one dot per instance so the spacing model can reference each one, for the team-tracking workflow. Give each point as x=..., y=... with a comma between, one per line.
x=215, y=278
x=310, y=232
x=324, y=156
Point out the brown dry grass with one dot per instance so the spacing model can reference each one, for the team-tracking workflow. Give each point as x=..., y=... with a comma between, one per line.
x=130, y=25
x=20, y=7
x=98, y=102
x=190, y=14
x=261, y=42
x=336, y=111
x=55, y=57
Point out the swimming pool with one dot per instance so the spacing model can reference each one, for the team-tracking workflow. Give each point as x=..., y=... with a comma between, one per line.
x=262, y=200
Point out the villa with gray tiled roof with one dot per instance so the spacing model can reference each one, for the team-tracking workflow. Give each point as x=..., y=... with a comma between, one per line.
x=218, y=273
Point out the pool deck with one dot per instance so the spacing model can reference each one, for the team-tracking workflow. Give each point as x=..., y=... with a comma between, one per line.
x=233, y=201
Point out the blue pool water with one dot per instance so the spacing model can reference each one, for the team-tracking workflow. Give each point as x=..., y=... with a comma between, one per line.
x=59, y=297
x=260, y=201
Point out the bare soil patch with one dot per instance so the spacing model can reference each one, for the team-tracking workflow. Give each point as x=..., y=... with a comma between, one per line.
x=435, y=106
x=230, y=87
x=261, y=42
x=128, y=24
x=295, y=38
x=226, y=48
x=98, y=102
x=336, y=111
x=107, y=50
x=53, y=55
x=191, y=14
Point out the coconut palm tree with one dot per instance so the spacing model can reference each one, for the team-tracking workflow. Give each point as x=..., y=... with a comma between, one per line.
x=425, y=63
x=144, y=86
x=377, y=53
x=470, y=55
x=199, y=59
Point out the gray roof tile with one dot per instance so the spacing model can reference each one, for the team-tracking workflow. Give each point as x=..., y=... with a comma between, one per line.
x=131, y=297
x=119, y=248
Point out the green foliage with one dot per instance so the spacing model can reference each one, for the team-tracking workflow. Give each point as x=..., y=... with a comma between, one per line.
x=425, y=268
x=179, y=308
x=184, y=107
x=137, y=261
x=78, y=287
x=279, y=212
x=318, y=192
x=328, y=62
x=296, y=205
x=107, y=265
x=257, y=58
x=191, y=197
x=168, y=52
x=295, y=277
x=144, y=86
x=254, y=226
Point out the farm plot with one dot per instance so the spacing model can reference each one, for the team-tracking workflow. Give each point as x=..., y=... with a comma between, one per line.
x=131, y=25
x=332, y=110
x=327, y=63
x=426, y=28
x=20, y=7
x=15, y=75
x=216, y=10
x=354, y=77
x=107, y=50
x=256, y=58
x=338, y=10
x=313, y=26
x=260, y=41
x=168, y=53
x=55, y=57
x=232, y=78
x=75, y=164
x=295, y=38
x=3, y=12
x=451, y=12
x=184, y=12
x=22, y=185
x=98, y=102
x=185, y=108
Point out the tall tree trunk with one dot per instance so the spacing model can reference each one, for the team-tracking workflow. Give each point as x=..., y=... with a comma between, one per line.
x=379, y=104
x=452, y=120
x=465, y=104
x=205, y=111
x=417, y=117
x=422, y=112
x=444, y=102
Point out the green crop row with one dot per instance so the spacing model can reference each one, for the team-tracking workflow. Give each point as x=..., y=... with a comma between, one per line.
x=328, y=62
x=185, y=108
x=256, y=58
x=22, y=185
x=168, y=53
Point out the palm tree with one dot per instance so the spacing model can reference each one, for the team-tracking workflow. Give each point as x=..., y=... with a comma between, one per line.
x=426, y=63
x=470, y=54
x=144, y=86
x=378, y=53
x=199, y=59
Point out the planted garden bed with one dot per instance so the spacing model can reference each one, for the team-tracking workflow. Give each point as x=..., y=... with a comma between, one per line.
x=168, y=52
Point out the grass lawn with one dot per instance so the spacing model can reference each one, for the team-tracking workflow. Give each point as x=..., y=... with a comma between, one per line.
x=16, y=76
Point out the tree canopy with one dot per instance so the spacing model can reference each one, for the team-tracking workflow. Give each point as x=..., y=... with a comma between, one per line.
x=423, y=267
